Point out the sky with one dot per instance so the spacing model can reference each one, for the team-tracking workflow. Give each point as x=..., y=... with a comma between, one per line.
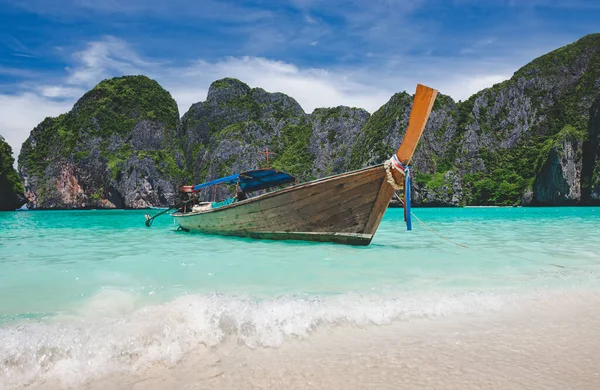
x=323, y=53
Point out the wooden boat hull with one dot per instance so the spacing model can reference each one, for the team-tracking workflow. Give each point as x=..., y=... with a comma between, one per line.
x=345, y=209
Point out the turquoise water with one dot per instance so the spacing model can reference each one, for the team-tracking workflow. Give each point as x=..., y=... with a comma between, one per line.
x=72, y=282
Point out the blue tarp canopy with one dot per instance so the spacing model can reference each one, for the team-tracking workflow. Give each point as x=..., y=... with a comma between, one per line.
x=254, y=180
x=228, y=180
x=263, y=178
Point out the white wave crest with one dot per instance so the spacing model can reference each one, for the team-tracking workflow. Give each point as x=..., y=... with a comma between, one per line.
x=103, y=339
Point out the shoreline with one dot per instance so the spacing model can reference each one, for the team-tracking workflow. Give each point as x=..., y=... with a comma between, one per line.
x=555, y=344
x=392, y=205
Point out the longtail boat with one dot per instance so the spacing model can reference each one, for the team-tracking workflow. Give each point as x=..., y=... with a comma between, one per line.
x=345, y=208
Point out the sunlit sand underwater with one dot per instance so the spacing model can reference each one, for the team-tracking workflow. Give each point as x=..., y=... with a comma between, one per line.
x=95, y=299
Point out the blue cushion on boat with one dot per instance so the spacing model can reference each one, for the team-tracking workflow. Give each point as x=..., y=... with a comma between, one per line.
x=223, y=203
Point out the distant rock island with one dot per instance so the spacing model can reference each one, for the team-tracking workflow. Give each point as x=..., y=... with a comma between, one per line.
x=530, y=140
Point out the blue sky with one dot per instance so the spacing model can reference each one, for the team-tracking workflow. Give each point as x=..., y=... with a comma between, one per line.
x=323, y=53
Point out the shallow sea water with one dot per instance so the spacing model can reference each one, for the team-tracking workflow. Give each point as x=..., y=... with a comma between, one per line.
x=88, y=293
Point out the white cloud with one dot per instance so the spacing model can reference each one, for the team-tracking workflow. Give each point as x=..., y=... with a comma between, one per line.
x=105, y=58
x=312, y=88
x=20, y=114
x=478, y=45
x=57, y=91
x=462, y=87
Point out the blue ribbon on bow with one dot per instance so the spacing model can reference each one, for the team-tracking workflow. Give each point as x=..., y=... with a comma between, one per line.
x=406, y=170
x=407, y=215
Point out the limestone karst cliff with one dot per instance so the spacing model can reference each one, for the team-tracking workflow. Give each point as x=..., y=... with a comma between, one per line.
x=117, y=147
x=531, y=140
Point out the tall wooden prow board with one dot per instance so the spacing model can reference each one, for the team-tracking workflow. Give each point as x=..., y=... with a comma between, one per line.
x=422, y=105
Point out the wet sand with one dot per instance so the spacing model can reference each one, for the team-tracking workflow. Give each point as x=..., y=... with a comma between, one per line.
x=535, y=346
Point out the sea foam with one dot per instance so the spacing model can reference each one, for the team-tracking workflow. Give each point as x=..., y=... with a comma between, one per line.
x=104, y=337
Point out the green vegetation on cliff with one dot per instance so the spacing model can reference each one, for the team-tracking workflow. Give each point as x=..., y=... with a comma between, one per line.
x=374, y=139
x=229, y=130
x=35, y=155
x=518, y=122
x=124, y=126
x=115, y=105
x=111, y=108
x=11, y=189
x=292, y=151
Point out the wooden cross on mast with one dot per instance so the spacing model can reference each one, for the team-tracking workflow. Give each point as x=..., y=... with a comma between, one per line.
x=266, y=153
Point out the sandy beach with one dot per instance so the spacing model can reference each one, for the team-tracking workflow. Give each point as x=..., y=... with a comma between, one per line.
x=554, y=344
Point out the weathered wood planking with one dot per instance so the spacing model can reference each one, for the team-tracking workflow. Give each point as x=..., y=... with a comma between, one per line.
x=337, y=209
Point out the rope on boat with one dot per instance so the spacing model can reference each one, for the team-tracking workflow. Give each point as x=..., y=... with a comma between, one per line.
x=389, y=177
x=438, y=234
x=430, y=229
x=554, y=264
x=514, y=256
x=150, y=219
x=394, y=163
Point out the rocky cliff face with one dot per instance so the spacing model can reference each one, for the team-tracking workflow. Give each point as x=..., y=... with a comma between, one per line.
x=521, y=141
x=590, y=175
x=335, y=132
x=228, y=132
x=531, y=140
x=117, y=147
x=558, y=181
x=11, y=190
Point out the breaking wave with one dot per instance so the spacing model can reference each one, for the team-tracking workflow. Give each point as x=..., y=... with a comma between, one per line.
x=106, y=336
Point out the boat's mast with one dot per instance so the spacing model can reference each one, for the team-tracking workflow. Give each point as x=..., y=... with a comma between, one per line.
x=266, y=153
